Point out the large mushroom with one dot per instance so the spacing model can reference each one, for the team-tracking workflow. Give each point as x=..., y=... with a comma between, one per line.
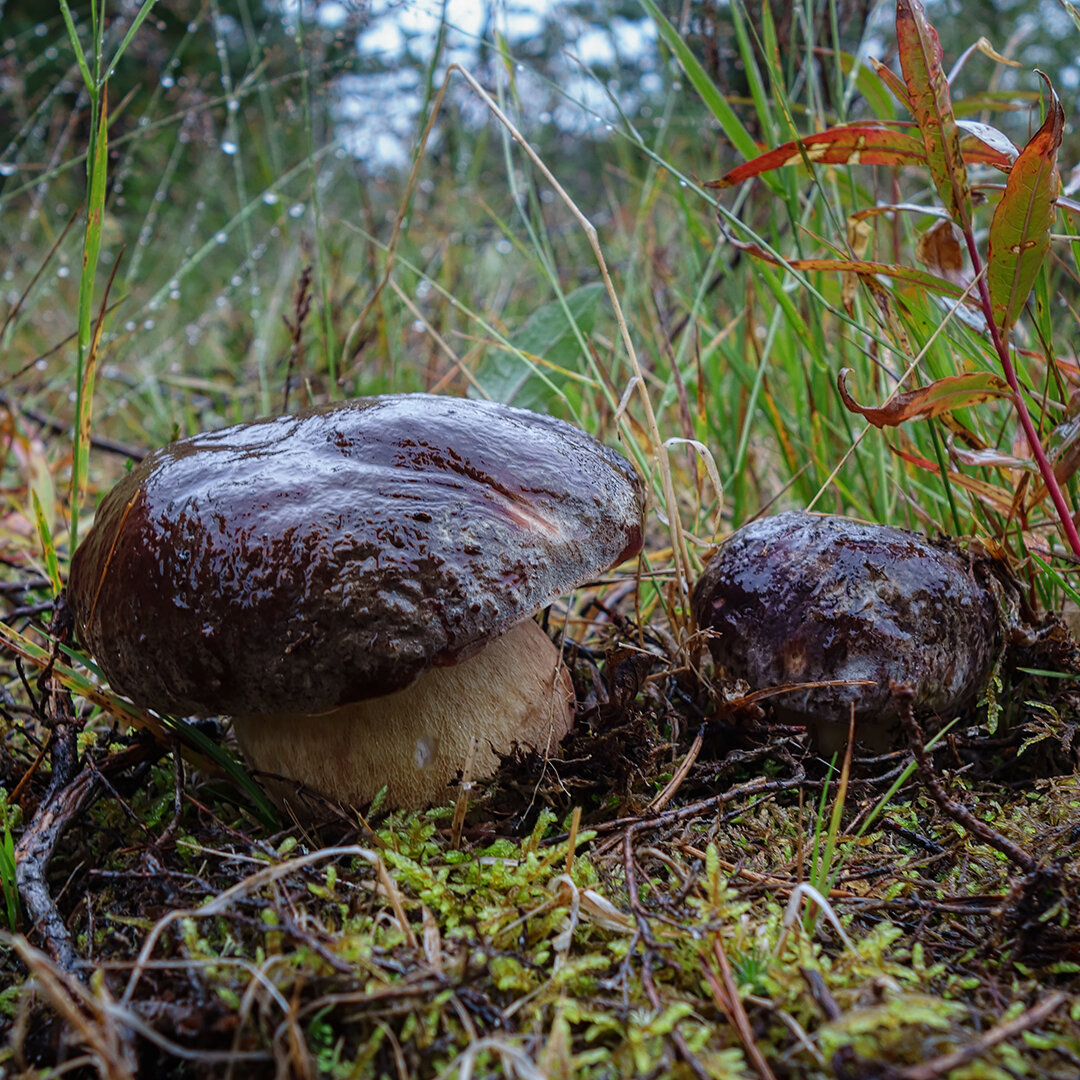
x=354, y=585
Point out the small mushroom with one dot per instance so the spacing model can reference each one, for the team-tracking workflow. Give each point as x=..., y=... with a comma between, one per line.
x=354, y=585
x=800, y=598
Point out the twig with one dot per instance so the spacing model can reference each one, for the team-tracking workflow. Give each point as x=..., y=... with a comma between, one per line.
x=62, y=803
x=32, y=855
x=726, y=992
x=681, y=773
x=638, y=823
x=109, y=1046
x=781, y=885
x=264, y=877
x=645, y=935
x=943, y=1065
x=63, y=427
x=904, y=695
x=105, y=1028
x=63, y=799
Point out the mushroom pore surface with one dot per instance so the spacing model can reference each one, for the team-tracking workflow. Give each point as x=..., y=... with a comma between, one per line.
x=800, y=598
x=298, y=563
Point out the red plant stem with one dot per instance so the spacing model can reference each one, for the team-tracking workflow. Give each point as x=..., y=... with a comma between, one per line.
x=1045, y=468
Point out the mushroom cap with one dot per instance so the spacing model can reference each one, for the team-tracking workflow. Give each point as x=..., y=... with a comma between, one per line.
x=800, y=598
x=297, y=563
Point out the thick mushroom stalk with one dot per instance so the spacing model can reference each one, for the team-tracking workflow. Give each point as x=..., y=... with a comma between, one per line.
x=295, y=565
x=514, y=691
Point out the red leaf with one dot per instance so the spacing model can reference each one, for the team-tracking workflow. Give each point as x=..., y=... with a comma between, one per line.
x=856, y=145
x=919, y=278
x=1020, y=230
x=994, y=497
x=920, y=60
x=940, y=396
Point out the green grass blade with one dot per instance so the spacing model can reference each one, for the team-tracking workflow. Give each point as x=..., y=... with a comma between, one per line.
x=76, y=45
x=133, y=29
x=8, y=880
x=758, y=92
x=48, y=548
x=733, y=127
x=191, y=736
x=95, y=211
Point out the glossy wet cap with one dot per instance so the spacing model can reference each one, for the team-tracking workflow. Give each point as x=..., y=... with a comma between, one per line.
x=297, y=563
x=801, y=598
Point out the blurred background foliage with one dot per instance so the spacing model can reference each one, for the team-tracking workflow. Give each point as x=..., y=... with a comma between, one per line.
x=249, y=140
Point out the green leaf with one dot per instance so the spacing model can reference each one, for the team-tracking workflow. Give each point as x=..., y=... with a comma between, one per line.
x=543, y=354
x=48, y=548
x=1020, y=230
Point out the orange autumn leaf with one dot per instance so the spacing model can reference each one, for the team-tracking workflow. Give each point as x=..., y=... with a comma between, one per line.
x=856, y=145
x=940, y=396
x=897, y=272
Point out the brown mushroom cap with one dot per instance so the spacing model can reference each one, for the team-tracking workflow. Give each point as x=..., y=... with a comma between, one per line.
x=802, y=598
x=297, y=563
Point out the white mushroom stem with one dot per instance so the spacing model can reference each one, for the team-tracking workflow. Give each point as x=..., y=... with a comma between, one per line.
x=414, y=742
